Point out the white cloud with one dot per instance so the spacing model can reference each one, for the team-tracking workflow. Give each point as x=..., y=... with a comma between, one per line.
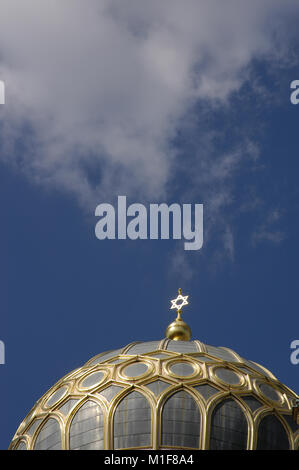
x=102, y=86
x=269, y=230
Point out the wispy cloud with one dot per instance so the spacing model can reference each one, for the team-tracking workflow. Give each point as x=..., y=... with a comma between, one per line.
x=269, y=230
x=96, y=93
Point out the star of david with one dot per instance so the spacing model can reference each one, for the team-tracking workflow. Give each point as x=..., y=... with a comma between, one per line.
x=179, y=302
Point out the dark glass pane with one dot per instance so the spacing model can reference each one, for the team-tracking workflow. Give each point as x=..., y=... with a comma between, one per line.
x=21, y=446
x=134, y=370
x=93, y=379
x=87, y=428
x=221, y=353
x=110, y=392
x=252, y=402
x=182, y=369
x=68, y=406
x=33, y=427
x=117, y=361
x=160, y=355
x=272, y=435
x=257, y=368
x=56, y=396
x=202, y=358
x=158, y=386
x=106, y=356
x=49, y=436
x=291, y=422
x=132, y=422
x=228, y=427
x=182, y=346
x=269, y=392
x=181, y=421
x=142, y=348
x=206, y=390
x=227, y=376
x=246, y=370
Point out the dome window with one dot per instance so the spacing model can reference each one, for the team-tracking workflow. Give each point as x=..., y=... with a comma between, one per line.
x=135, y=370
x=92, y=380
x=21, y=446
x=270, y=392
x=56, y=396
x=181, y=369
x=206, y=390
x=49, y=436
x=252, y=402
x=158, y=386
x=228, y=376
x=87, y=428
x=229, y=428
x=132, y=422
x=181, y=421
x=272, y=434
x=110, y=392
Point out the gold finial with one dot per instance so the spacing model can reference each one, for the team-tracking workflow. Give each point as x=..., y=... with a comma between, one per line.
x=179, y=330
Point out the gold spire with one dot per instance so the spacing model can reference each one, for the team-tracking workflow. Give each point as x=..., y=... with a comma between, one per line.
x=179, y=330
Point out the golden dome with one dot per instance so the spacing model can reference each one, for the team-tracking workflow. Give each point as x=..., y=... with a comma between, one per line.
x=160, y=395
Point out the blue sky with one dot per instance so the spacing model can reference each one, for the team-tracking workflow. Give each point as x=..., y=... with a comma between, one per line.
x=161, y=103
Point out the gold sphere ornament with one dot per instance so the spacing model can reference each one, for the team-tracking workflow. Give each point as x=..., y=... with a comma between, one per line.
x=179, y=330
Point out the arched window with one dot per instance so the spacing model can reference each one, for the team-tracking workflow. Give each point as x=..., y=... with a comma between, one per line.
x=21, y=446
x=229, y=428
x=271, y=434
x=132, y=422
x=49, y=436
x=181, y=421
x=87, y=428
